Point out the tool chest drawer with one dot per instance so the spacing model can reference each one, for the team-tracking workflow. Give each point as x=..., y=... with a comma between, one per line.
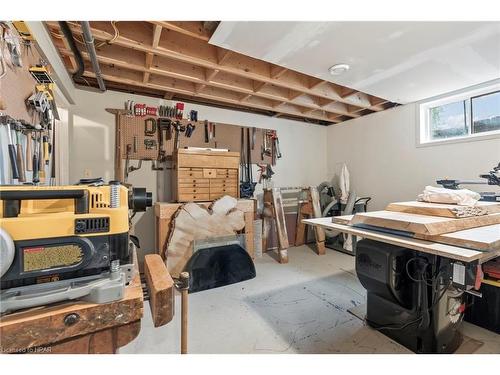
x=209, y=173
x=227, y=173
x=193, y=197
x=195, y=182
x=219, y=183
x=204, y=175
x=193, y=190
x=190, y=172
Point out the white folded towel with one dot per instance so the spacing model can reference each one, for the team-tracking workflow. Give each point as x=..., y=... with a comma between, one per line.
x=462, y=197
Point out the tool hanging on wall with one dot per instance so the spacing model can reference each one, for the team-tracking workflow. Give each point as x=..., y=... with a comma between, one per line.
x=247, y=186
x=19, y=152
x=207, y=138
x=179, y=108
x=39, y=101
x=12, y=152
x=41, y=74
x=167, y=111
x=193, y=115
x=130, y=168
x=13, y=45
x=189, y=130
x=127, y=161
x=26, y=38
x=36, y=170
x=150, y=127
x=150, y=144
x=151, y=111
x=178, y=128
x=29, y=153
x=129, y=107
x=271, y=146
x=41, y=164
x=164, y=127
x=46, y=144
x=53, y=154
x=140, y=109
x=266, y=173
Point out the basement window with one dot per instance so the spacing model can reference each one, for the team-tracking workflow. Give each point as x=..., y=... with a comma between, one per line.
x=471, y=114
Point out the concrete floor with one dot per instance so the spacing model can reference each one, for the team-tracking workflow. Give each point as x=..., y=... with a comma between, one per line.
x=300, y=307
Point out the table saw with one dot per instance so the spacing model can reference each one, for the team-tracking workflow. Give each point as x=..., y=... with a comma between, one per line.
x=418, y=289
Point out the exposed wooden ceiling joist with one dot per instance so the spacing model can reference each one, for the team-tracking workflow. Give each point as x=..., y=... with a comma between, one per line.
x=176, y=57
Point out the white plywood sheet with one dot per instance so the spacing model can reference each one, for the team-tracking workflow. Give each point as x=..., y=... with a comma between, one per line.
x=482, y=238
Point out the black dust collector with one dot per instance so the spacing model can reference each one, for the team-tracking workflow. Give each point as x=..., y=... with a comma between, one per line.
x=218, y=262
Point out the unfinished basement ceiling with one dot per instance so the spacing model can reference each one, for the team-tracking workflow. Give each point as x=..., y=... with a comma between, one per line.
x=174, y=60
x=400, y=61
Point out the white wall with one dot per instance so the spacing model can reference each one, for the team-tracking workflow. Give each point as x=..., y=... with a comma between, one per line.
x=92, y=146
x=384, y=162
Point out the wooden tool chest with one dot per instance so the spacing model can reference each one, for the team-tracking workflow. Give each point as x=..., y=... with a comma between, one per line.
x=205, y=175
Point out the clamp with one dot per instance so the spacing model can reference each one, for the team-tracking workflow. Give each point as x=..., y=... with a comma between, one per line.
x=150, y=131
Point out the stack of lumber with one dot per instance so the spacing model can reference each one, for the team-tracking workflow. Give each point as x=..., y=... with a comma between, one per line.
x=445, y=210
x=476, y=227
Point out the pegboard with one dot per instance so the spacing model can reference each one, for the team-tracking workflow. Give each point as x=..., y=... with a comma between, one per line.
x=130, y=130
x=18, y=85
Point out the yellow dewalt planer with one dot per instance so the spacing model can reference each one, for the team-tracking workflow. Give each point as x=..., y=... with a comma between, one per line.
x=66, y=242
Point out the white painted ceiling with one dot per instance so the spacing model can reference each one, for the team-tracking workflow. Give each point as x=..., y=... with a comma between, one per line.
x=398, y=61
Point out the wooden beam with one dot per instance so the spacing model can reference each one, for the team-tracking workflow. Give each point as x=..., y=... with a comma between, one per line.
x=199, y=88
x=207, y=95
x=193, y=29
x=223, y=55
x=245, y=97
x=147, y=65
x=277, y=71
x=316, y=83
x=378, y=103
x=294, y=95
x=149, y=55
x=210, y=74
x=199, y=54
x=257, y=86
x=346, y=91
x=197, y=80
x=196, y=64
x=323, y=102
x=168, y=96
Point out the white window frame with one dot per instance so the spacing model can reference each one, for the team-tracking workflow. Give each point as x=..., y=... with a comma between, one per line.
x=423, y=115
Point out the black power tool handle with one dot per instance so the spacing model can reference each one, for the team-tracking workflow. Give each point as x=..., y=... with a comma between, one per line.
x=12, y=199
x=13, y=161
x=42, y=194
x=36, y=176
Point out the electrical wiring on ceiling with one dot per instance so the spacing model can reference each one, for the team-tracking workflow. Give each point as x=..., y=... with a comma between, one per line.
x=98, y=45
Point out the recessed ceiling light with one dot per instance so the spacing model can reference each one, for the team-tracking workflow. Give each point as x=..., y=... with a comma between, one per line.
x=338, y=69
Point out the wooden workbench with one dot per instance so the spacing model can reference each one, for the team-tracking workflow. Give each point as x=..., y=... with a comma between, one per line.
x=75, y=327
x=81, y=327
x=444, y=250
x=165, y=211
